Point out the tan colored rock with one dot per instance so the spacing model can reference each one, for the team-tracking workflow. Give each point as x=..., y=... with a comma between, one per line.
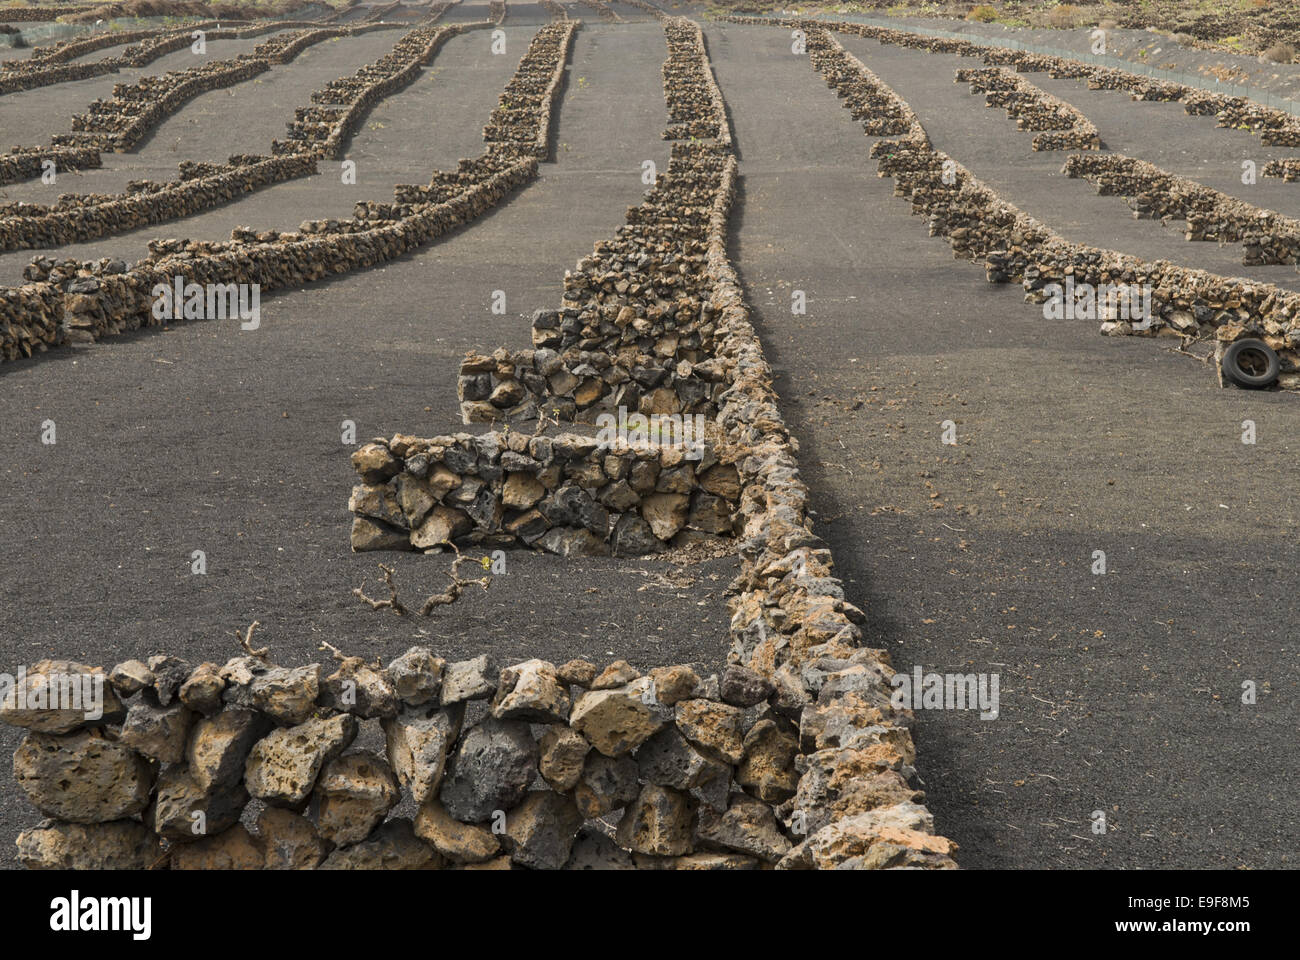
x=289, y=840
x=82, y=777
x=721, y=480
x=666, y=513
x=233, y=849
x=618, y=721
x=563, y=751
x=219, y=745
x=418, y=741
x=442, y=481
x=714, y=728
x=360, y=688
x=182, y=812
x=442, y=526
x=130, y=677
x=417, y=676
x=890, y=837
x=285, y=694
x=580, y=673
x=201, y=691
x=659, y=822
x=354, y=794
x=375, y=463
x=531, y=691
x=767, y=770
x=458, y=842
x=116, y=845
x=57, y=696
x=369, y=534
x=282, y=766
x=522, y=490
x=159, y=733
x=674, y=683
x=617, y=674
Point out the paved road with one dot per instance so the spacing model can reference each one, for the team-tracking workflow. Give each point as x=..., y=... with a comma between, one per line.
x=1119, y=692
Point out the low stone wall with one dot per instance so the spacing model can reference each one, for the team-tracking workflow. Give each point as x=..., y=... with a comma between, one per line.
x=850, y=793
x=979, y=225
x=603, y=10
x=570, y=495
x=522, y=117
x=32, y=72
x=1288, y=170
x=633, y=330
x=24, y=163
x=104, y=298
x=532, y=766
x=76, y=219
x=1276, y=127
x=80, y=218
x=1155, y=194
x=1065, y=128
x=39, y=14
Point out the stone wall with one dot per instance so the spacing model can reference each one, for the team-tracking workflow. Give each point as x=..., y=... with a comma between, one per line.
x=105, y=298
x=847, y=799
x=1033, y=108
x=1288, y=170
x=979, y=225
x=569, y=494
x=79, y=218
x=29, y=73
x=1155, y=194
x=634, y=329
x=1276, y=127
x=532, y=766
x=24, y=163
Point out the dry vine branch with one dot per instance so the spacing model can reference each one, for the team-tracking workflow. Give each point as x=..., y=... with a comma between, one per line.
x=458, y=585
x=392, y=602
x=246, y=641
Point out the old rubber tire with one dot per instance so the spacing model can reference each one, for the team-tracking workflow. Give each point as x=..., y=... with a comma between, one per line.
x=1251, y=363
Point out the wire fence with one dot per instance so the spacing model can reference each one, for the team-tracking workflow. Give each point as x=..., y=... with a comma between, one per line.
x=1256, y=94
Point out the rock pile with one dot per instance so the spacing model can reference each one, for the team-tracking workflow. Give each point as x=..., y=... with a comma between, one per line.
x=1034, y=109
x=570, y=495
x=1288, y=169
x=1153, y=193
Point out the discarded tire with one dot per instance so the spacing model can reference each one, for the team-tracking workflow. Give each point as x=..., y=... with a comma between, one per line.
x=1251, y=363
